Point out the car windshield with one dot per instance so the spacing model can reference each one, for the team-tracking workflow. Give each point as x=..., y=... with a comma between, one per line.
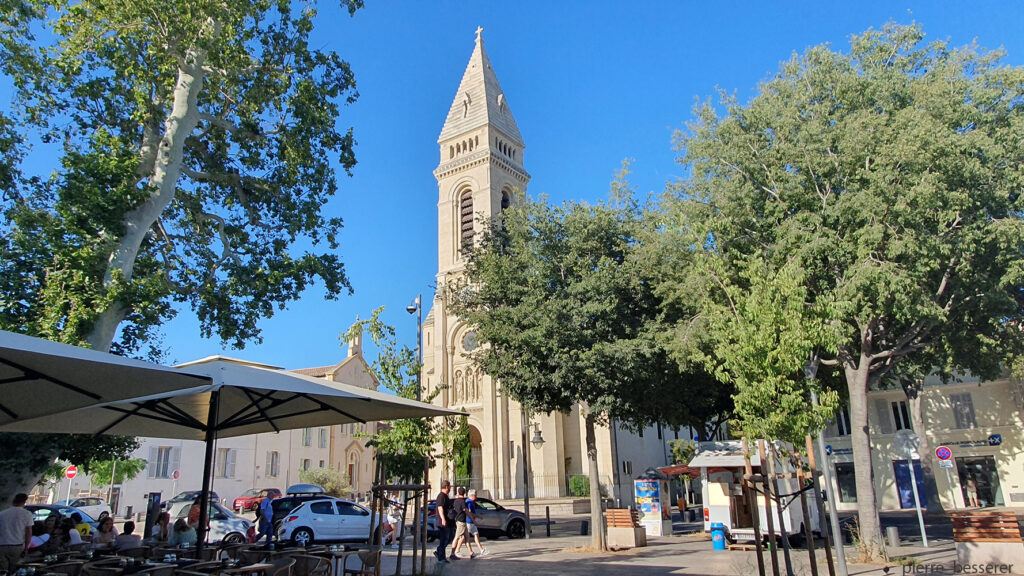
x=250, y=492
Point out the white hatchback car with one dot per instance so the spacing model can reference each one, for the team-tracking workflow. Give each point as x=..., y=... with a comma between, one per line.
x=90, y=505
x=325, y=520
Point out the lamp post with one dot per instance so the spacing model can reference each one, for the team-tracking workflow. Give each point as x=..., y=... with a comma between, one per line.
x=417, y=308
x=537, y=442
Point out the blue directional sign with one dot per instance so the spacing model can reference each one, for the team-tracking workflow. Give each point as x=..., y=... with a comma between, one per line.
x=828, y=449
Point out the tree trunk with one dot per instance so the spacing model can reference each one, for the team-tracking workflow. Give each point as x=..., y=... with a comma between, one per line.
x=914, y=393
x=857, y=380
x=163, y=181
x=596, y=518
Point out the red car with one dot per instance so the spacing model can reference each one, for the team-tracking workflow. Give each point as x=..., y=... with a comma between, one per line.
x=251, y=499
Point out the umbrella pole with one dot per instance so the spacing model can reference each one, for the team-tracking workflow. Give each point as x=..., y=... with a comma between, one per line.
x=204, y=498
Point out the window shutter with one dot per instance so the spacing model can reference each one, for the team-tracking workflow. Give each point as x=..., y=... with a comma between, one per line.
x=882, y=411
x=175, y=460
x=230, y=473
x=152, y=464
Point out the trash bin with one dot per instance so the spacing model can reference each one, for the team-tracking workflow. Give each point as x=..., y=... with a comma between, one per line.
x=718, y=536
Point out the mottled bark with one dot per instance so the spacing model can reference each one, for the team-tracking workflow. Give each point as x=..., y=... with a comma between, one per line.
x=597, y=540
x=857, y=380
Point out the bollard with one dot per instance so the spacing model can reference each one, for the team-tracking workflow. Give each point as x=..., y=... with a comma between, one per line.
x=128, y=512
x=584, y=527
x=892, y=534
x=547, y=521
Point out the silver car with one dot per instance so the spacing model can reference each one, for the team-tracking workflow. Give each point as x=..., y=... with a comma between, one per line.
x=224, y=524
x=492, y=519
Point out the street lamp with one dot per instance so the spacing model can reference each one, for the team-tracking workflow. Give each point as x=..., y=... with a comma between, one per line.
x=537, y=440
x=417, y=308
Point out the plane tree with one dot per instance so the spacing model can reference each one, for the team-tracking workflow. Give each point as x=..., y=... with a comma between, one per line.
x=888, y=180
x=188, y=151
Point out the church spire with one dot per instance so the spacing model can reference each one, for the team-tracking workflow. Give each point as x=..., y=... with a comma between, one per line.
x=480, y=100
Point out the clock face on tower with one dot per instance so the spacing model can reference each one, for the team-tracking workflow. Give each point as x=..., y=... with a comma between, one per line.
x=469, y=341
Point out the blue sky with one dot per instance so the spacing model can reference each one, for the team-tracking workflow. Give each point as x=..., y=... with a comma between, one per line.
x=590, y=84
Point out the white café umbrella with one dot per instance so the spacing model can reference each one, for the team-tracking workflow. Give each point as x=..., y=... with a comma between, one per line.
x=40, y=377
x=242, y=399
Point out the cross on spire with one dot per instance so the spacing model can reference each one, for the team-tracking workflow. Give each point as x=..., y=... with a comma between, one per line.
x=479, y=31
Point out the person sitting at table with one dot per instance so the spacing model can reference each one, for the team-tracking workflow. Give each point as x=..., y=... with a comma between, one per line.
x=105, y=533
x=162, y=528
x=84, y=528
x=40, y=535
x=69, y=532
x=183, y=534
x=127, y=539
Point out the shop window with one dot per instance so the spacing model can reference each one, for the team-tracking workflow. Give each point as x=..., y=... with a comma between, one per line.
x=979, y=481
x=963, y=411
x=901, y=415
x=843, y=421
x=846, y=482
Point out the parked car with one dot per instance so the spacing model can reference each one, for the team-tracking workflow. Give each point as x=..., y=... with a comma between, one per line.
x=43, y=511
x=187, y=496
x=296, y=494
x=492, y=519
x=326, y=520
x=224, y=524
x=251, y=499
x=93, y=506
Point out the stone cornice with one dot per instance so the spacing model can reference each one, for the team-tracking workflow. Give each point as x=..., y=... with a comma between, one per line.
x=477, y=159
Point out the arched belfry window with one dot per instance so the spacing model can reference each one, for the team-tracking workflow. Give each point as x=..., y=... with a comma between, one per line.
x=506, y=199
x=466, y=219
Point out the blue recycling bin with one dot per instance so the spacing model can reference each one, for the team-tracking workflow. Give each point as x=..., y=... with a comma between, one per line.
x=718, y=536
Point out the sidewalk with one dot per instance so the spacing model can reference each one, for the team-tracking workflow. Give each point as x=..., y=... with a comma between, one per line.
x=690, y=554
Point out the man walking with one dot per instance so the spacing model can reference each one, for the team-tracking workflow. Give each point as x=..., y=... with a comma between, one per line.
x=444, y=534
x=459, y=515
x=15, y=533
x=266, y=522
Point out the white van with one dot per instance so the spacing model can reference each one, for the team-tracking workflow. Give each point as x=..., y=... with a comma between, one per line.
x=721, y=467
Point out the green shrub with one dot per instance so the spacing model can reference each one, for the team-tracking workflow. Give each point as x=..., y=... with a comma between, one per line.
x=579, y=486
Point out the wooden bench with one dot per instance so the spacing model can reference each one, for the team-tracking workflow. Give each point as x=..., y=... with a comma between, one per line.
x=988, y=537
x=624, y=530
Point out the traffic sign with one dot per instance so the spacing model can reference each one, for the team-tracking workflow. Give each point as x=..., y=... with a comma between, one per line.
x=943, y=453
x=828, y=449
x=176, y=474
x=945, y=463
x=995, y=440
x=71, y=471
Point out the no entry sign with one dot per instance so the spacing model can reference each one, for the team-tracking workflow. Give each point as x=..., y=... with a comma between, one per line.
x=943, y=453
x=71, y=471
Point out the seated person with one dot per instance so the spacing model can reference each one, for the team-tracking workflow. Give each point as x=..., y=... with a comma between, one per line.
x=70, y=532
x=84, y=529
x=182, y=534
x=162, y=528
x=40, y=535
x=127, y=539
x=105, y=533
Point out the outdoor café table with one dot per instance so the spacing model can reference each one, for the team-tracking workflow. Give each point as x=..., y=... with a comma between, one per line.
x=338, y=558
x=250, y=569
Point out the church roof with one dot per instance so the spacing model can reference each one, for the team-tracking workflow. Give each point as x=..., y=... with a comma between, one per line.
x=480, y=100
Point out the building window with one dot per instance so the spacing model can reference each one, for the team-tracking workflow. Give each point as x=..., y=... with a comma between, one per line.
x=307, y=436
x=506, y=200
x=846, y=482
x=466, y=219
x=901, y=415
x=323, y=438
x=306, y=463
x=273, y=464
x=321, y=464
x=225, y=463
x=163, y=461
x=627, y=467
x=843, y=421
x=963, y=411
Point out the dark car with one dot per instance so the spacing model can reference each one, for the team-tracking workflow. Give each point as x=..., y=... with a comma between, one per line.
x=251, y=499
x=43, y=511
x=492, y=519
x=188, y=496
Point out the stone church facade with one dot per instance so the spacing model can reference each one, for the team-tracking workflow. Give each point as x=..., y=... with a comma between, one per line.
x=480, y=172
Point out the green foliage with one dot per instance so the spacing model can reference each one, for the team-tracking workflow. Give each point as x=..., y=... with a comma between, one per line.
x=462, y=450
x=579, y=486
x=683, y=450
x=120, y=470
x=332, y=481
x=864, y=206
x=405, y=447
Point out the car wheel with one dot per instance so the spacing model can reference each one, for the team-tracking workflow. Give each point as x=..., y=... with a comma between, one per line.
x=234, y=538
x=302, y=537
x=516, y=529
